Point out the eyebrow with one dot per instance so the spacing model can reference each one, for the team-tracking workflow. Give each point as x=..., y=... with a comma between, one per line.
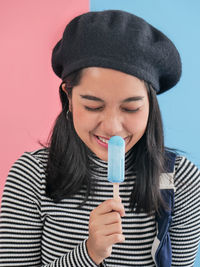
x=129, y=99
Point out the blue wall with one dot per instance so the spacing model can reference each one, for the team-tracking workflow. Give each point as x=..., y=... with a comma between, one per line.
x=180, y=107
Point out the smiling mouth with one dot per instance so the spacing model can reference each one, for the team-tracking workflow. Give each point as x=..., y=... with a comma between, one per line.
x=102, y=139
x=105, y=140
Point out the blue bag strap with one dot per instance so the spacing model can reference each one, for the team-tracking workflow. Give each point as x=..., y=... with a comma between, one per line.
x=161, y=248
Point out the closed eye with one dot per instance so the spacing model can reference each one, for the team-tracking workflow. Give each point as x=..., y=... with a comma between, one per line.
x=130, y=110
x=93, y=109
x=100, y=108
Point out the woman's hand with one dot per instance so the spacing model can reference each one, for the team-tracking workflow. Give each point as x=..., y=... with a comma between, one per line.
x=105, y=229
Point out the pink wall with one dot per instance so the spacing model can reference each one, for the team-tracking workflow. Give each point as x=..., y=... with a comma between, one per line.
x=29, y=99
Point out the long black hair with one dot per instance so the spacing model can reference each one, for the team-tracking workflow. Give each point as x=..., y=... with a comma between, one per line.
x=68, y=167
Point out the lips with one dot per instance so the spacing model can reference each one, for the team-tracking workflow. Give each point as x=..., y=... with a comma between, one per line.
x=105, y=139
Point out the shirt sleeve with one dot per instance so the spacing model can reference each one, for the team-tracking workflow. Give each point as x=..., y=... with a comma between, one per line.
x=21, y=224
x=185, y=227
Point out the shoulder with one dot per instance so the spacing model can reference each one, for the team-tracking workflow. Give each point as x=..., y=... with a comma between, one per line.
x=35, y=161
x=184, y=167
x=27, y=175
x=186, y=175
x=40, y=157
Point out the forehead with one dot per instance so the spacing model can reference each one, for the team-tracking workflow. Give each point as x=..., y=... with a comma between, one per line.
x=106, y=81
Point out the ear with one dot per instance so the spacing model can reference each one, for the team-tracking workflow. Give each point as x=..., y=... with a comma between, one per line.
x=69, y=97
x=63, y=85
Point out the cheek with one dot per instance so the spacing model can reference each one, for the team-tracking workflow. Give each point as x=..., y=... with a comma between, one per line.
x=138, y=123
x=83, y=121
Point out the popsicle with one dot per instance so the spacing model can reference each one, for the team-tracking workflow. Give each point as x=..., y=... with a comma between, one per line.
x=116, y=159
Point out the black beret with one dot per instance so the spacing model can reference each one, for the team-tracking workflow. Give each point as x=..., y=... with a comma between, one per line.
x=118, y=40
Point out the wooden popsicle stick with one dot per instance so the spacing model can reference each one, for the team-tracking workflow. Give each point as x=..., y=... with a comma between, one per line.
x=116, y=191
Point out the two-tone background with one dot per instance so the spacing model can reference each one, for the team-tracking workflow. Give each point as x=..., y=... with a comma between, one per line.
x=29, y=101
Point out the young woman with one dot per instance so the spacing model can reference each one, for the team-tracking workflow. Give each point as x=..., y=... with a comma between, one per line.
x=57, y=206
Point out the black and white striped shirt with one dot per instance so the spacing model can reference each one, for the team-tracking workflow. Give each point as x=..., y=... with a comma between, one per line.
x=34, y=231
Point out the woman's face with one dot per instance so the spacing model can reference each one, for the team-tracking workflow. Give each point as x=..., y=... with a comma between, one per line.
x=107, y=103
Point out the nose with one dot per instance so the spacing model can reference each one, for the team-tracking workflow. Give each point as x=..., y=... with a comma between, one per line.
x=112, y=124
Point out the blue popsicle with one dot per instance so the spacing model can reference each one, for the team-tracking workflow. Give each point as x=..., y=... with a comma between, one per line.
x=116, y=159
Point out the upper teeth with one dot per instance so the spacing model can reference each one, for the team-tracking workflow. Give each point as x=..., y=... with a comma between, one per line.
x=103, y=140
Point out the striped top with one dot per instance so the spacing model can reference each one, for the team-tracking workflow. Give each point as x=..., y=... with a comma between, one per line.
x=34, y=231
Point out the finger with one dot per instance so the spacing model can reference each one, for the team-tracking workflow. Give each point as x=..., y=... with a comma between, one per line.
x=107, y=230
x=111, y=205
x=114, y=239
x=112, y=229
x=109, y=218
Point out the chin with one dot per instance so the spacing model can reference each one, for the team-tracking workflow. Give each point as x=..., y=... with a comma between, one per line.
x=102, y=157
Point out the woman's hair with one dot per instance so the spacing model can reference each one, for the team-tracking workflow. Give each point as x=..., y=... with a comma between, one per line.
x=68, y=167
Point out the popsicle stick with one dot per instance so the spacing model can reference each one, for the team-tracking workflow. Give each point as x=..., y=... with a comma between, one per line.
x=116, y=191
